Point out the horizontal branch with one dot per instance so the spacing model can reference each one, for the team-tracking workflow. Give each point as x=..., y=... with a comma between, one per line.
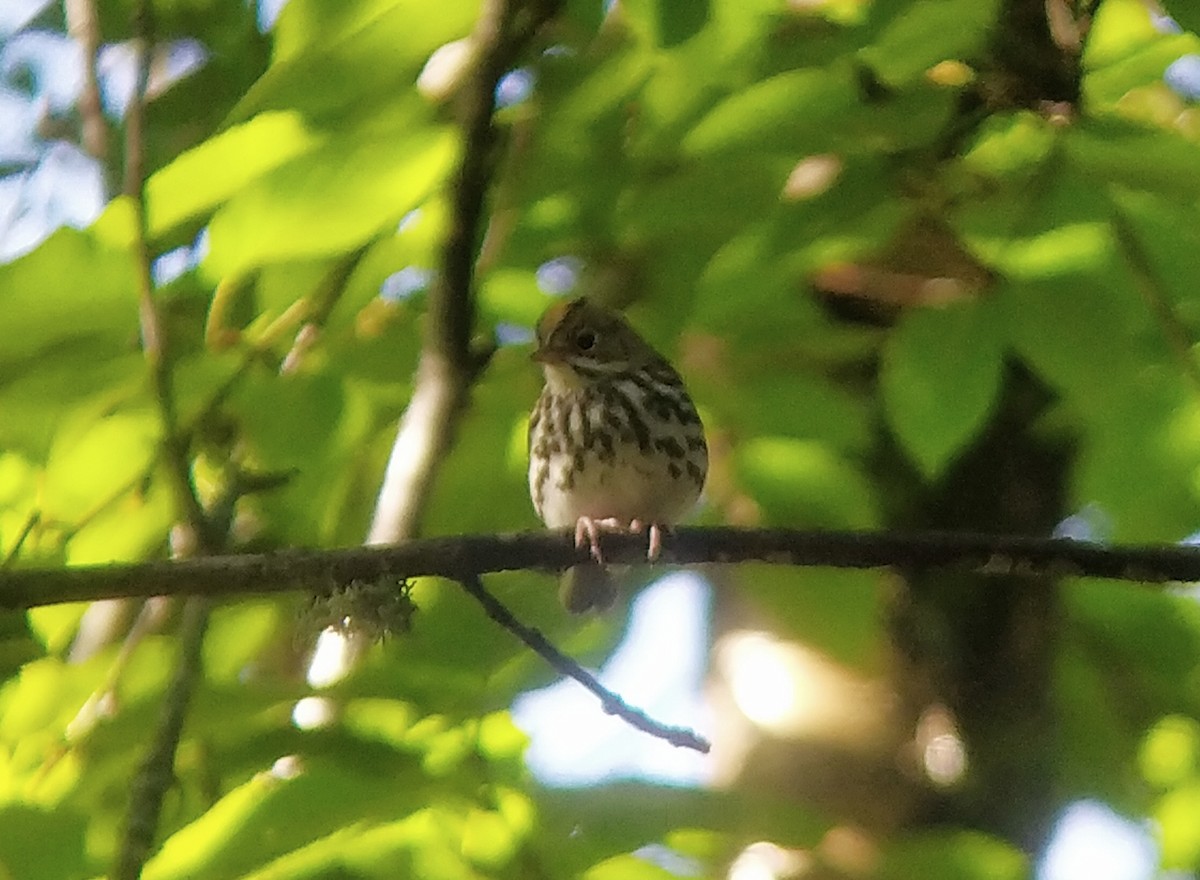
x=452, y=557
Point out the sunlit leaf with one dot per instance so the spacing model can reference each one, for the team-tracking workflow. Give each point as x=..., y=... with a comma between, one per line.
x=330, y=200
x=802, y=482
x=923, y=34
x=941, y=376
x=204, y=177
x=44, y=303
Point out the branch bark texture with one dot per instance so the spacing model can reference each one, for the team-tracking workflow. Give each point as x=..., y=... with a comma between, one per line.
x=459, y=556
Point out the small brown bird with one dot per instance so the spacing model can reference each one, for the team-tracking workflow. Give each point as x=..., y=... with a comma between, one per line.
x=615, y=442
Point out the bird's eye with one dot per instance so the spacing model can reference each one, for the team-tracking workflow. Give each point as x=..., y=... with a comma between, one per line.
x=585, y=340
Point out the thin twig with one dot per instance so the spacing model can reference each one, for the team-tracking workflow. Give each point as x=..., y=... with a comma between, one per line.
x=153, y=334
x=156, y=774
x=31, y=522
x=449, y=364
x=1145, y=278
x=612, y=703
x=323, y=570
x=83, y=26
x=157, y=771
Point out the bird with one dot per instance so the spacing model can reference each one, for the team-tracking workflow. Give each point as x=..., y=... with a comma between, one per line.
x=615, y=441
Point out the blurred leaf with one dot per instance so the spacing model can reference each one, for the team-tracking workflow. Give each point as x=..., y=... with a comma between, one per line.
x=1184, y=13
x=628, y=866
x=41, y=845
x=804, y=483
x=209, y=174
x=668, y=23
x=98, y=461
x=35, y=400
x=55, y=625
x=1179, y=834
x=798, y=110
x=942, y=370
x=923, y=34
x=46, y=307
x=1113, y=151
x=271, y=815
x=1157, y=635
x=1073, y=355
x=1171, y=751
x=330, y=200
x=953, y=855
x=235, y=637
x=1118, y=29
x=1061, y=228
x=834, y=611
x=1010, y=145
x=337, y=62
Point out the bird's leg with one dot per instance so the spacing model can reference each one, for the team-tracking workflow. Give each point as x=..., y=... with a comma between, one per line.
x=655, y=548
x=587, y=531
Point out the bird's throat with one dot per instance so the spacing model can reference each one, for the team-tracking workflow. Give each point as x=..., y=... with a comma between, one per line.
x=561, y=379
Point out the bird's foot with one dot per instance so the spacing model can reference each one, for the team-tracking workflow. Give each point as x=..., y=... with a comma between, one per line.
x=656, y=532
x=587, y=533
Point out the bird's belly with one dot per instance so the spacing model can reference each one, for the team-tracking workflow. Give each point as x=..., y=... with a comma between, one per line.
x=629, y=487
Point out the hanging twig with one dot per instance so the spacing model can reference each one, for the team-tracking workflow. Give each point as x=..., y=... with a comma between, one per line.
x=1149, y=285
x=612, y=703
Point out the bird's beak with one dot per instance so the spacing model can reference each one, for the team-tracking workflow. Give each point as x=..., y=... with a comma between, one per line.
x=546, y=356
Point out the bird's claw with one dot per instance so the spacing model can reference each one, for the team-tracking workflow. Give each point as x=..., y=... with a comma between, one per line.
x=587, y=532
x=655, y=546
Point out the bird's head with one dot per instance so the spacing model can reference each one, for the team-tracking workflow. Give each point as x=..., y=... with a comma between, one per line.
x=580, y=343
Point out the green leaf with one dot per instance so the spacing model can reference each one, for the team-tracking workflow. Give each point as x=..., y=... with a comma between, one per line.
x=952, y=855
x=940, y=380
x=798, y=111
x=236, y=635
x=1185, y=13
x=1113, y=151
x=343, y=62
x=804, y=483
x=628, y=867
x=40, y=844
x=666, y=22
x=274, y=814
x=330, y=200
x=1010, y=145
x=85, y=374
x=46, y=302
x=97, y=460
x=1179, y=833
x=835, y=612
x=202, y=178
x=923, y=34
x=1048, y=229
x=1118, y=29
x=1170, y=753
